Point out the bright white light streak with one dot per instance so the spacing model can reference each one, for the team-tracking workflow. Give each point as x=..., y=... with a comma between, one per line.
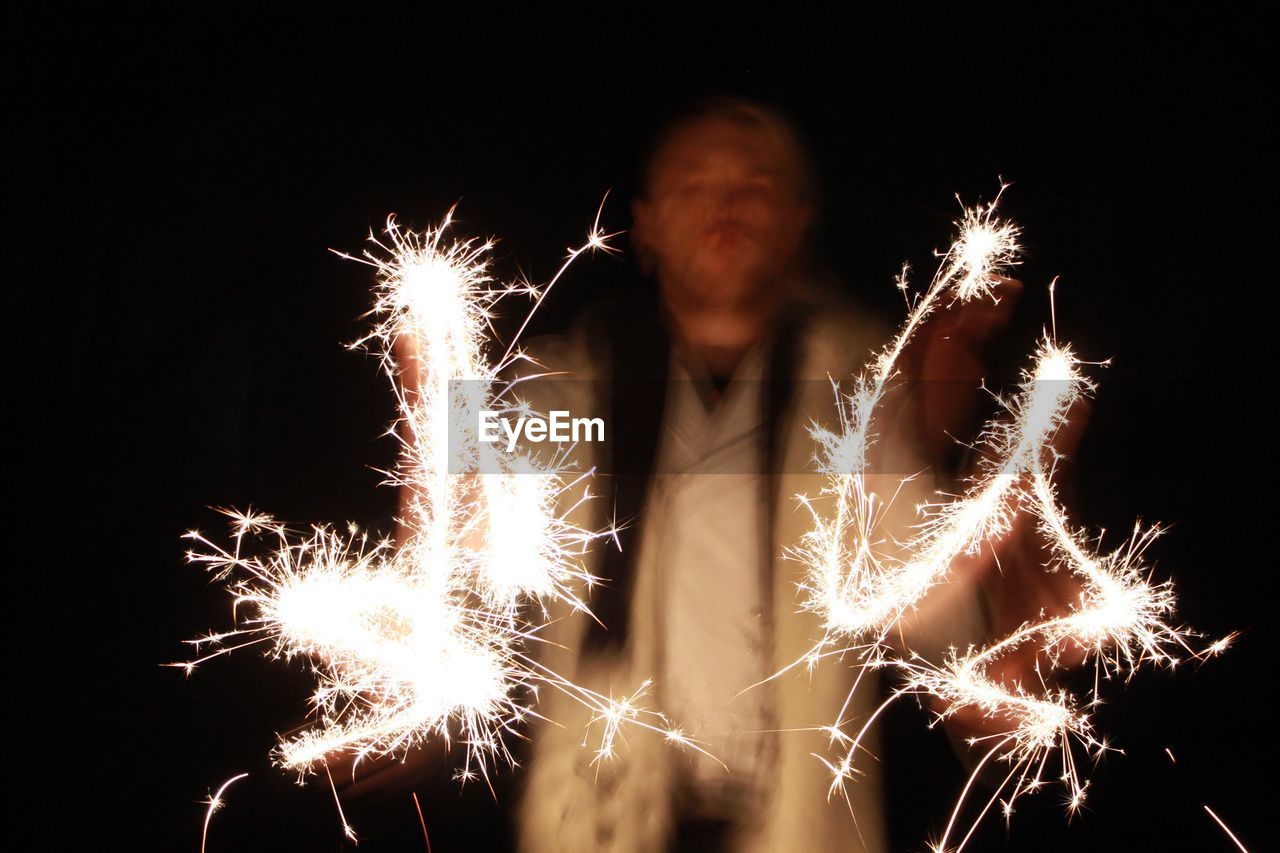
x=214, y=803
x=1227, y=830
x=862, y=589
x=428, y=636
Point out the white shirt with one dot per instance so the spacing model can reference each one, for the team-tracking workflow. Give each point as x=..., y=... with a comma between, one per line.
x=705, y=523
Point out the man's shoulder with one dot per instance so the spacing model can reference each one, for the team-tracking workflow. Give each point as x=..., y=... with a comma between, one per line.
x=841, y=335
x=583, y=350
x=565, y=354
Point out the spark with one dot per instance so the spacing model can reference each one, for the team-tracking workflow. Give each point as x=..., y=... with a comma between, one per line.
x=1226, y=829
x=841, y=551
x=427, y=636
x=347, y=829
x=862, y=584
x=214, y=803
x=615, y=713
x=422, y=821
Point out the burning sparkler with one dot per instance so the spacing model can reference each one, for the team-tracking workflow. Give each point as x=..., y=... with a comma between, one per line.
x=862, y=592
x=427, y=637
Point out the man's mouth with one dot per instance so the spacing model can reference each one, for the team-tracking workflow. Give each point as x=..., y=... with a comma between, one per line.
x=725, y=232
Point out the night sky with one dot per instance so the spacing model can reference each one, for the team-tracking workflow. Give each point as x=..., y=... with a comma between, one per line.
x=174, y=186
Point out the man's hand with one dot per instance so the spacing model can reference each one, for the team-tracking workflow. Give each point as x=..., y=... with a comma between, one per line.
x=1014, y=577
x=947, y=359
x=383, y=776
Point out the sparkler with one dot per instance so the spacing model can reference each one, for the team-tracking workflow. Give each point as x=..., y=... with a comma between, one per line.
x=862, y=591
x=428, y=637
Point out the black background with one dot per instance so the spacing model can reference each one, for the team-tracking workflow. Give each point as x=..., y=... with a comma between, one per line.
x=176, y=324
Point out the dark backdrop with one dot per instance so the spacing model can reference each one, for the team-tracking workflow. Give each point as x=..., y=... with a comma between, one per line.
x=176, y=326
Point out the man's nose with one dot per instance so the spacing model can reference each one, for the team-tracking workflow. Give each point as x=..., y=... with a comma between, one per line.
x=729, y=200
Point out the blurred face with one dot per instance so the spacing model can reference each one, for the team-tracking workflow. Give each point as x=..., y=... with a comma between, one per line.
x=721, y=218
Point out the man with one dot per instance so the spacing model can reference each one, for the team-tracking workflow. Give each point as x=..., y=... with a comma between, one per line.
x=707, y=387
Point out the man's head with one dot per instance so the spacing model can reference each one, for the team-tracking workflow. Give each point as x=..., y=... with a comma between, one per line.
x=727, y=197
